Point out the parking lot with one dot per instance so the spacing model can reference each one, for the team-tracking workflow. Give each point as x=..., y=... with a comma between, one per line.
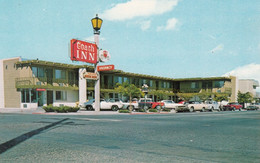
x=183, y=137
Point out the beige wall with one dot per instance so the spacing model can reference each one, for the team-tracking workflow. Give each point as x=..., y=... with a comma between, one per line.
x=234, y=86
x=247, y=85
x=12, y=96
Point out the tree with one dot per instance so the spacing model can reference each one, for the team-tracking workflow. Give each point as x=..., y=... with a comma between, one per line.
x=160, y=94
x=186, y=96
x=243, y=98
x=221, y=97
x=129, y=90
x=204, y=96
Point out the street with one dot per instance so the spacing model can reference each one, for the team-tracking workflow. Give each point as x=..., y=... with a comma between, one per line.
x=182, y=137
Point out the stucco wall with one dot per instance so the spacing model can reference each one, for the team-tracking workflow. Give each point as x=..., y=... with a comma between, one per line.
x=2, y=100
x=11, y=95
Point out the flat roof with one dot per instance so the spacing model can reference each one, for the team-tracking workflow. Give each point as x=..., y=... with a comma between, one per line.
x=52, y=64
x=114, y=72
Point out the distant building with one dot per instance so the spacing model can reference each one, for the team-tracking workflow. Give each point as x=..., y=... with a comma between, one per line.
x=248, y=85
x=34, y=83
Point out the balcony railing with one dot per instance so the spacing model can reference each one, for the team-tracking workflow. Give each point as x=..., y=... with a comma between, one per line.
x=33, y=82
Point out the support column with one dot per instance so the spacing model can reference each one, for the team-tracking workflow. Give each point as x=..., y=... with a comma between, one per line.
x=82, y=86
x=97, y=83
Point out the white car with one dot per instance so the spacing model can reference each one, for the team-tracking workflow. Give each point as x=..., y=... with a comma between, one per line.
x=169, y=104
x=111, y=104
x=198, y=106
x=134, y=104
x=212, y=105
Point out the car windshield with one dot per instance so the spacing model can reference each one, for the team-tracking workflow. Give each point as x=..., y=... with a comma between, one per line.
x=90, y=101
x=146, y=100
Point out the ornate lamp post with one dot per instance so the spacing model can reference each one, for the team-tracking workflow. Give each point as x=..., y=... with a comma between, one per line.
x=145, y=91
x=96, y=24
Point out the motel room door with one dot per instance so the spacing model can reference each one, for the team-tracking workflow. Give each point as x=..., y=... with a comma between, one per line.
x=49, y=75
x=49, y=97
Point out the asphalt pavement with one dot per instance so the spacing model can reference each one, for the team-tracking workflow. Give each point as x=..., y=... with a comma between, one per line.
x=181, y=137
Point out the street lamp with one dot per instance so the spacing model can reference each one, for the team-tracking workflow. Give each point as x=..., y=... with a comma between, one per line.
x=96, y=24
x=145, y=91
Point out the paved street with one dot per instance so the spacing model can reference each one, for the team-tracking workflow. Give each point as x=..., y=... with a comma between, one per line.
x=182, y=137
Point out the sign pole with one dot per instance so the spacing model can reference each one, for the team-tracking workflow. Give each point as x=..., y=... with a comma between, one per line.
x=97, y=83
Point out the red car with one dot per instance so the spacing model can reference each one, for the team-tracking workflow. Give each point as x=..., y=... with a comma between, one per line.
x=148, y=103
x=233, y=106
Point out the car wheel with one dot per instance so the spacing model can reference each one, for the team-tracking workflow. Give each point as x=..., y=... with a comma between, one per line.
x=192, y=109
x=158, y=107
x=89, y=107
x=233, y=109
x=212, y=109
x=114, y=108
x=130, y=107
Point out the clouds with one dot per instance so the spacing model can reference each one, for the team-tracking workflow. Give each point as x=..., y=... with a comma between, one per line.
x=170, y=25
x=142, y=9
x=250, y=71
x=217, y=49
x=145, y=25
x=138, y=8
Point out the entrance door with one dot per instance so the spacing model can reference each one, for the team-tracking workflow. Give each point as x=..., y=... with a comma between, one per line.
x=40, y=98
x=49, y=97
x=49, y=75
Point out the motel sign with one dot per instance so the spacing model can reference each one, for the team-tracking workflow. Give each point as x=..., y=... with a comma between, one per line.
x=83, y=51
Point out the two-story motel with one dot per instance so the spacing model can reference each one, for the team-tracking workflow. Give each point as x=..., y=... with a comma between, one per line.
x=34, y=83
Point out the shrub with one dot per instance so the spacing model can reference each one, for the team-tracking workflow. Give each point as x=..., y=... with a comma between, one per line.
x=124, y=111
x=73, y=109
x=141, y=110
x=48, y=108
x=152, y=110
x=61, y=109
x=166, y=109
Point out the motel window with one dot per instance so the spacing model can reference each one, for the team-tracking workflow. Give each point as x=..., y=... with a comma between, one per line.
x=61, y=95
x=219, y=84
x=194, y=85
x=165, y=84
x=33, y=96
x=144, y=82
x=25, y=96
x=118, y=79
x=150, y=83
x=60, y=74
x=38, y=72
x=126, y=79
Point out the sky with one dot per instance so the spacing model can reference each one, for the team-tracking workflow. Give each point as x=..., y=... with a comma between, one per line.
x=168, y=38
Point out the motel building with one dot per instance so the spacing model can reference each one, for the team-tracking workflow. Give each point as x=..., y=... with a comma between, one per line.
x=36, y=83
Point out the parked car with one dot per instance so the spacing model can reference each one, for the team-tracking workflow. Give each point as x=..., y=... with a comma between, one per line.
x=198, y=106
x=252, y=107
x=233, y=106
x=178, y=107
x=88, y=104
x=146, y=103
x=212, y=105
x=134, y=104
x=113, y=104
x=257, y=105
x=183, y=108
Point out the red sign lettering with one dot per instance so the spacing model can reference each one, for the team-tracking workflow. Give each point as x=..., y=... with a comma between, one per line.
x=83, y=51
x=106, y=68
